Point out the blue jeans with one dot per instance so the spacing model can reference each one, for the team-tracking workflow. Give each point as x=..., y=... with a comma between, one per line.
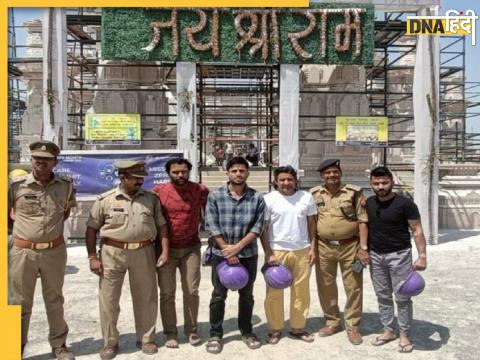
x=245, y=300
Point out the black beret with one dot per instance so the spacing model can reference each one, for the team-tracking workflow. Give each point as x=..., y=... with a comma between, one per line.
x=329, y=162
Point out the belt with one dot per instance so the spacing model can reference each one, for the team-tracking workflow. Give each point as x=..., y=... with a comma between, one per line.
x=340, y=242
x=25, y=244
x=126, y=245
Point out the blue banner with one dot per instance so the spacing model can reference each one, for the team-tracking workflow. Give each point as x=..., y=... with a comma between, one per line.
x=94, y=172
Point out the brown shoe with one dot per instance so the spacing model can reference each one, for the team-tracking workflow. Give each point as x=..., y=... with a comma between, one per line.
x=148, y=348
x=329, y=330
x=109, y=352
x=354, y=335
x=62, y=353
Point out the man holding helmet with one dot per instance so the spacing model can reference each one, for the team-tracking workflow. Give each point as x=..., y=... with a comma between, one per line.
x=390, y=217
x=289, y=238
x=234, y=219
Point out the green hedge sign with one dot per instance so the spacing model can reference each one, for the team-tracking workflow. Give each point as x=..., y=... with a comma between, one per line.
x=321, y=34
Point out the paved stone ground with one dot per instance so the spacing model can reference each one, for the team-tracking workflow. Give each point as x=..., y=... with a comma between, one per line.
x=446, y=315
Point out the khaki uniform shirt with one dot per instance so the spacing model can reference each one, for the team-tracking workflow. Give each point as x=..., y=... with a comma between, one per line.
x=39, y=211
x=338, y=215
x=125, y=218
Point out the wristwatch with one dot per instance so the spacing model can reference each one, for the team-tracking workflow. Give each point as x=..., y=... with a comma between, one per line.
x=364, y=247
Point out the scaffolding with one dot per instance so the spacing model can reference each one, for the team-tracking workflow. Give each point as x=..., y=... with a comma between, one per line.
x=389, y=81
x=239, y=103
x=458, y=103
x=389, y=85
x=16, y=91
x=84, y=69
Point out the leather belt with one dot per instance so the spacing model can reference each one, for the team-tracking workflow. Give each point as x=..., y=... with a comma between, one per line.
x=126, y=245
x=25, y=244
x=340, y=242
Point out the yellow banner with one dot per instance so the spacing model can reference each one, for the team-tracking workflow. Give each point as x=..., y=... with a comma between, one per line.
x=357, y=130
x=110, y=129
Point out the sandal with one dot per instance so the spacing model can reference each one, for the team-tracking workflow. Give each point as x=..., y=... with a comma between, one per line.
x=171, y=343
x=302, y=335
x=379, y=340
x=407, y=348
x=252, y=341
x=194, y=339
x=214, y=345
x=274, y=337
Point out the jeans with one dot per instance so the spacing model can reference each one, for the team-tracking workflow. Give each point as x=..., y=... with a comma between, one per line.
x=388, y=271
x=245, y=300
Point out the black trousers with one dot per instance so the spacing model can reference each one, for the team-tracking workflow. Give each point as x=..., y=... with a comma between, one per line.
x=245, y=300
x=253, y=159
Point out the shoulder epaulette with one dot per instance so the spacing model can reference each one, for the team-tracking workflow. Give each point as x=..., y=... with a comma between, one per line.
x=18, y=179
x=315, y=189
x=353, y=187
x=105, y=194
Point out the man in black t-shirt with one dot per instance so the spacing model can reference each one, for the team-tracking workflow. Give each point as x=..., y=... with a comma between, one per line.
x=391, y=216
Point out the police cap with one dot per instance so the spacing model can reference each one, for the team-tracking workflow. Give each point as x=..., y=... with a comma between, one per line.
x=44, y=148
x=132, y=167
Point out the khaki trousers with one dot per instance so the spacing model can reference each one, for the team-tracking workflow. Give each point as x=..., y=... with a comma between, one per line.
x=187, y=260
x=328, y=259
x=297, y=262
x=24, y=266
x=140, y=264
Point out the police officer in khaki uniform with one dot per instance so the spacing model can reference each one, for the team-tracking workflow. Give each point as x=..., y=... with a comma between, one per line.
x=129, y=220
x=342, y=238
x=39, y=203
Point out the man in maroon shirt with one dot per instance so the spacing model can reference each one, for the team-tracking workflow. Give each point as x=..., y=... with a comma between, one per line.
x=182, y=202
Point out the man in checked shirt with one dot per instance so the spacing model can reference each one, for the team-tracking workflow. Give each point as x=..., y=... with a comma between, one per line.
x=235, y=215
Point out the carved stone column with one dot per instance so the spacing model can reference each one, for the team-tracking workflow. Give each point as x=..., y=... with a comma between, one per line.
x=186, y=113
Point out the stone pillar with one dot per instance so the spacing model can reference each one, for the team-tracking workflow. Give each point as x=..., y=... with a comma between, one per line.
x=288, y=115
x=186, y=112
x=426, y=118
x=55, y=88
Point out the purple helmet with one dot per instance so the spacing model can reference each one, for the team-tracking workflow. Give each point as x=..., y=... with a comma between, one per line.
x=233, y=277
x=412, y=285
x=277, y=276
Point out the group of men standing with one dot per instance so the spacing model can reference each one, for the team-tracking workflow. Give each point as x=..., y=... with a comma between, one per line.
x=150, y=234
